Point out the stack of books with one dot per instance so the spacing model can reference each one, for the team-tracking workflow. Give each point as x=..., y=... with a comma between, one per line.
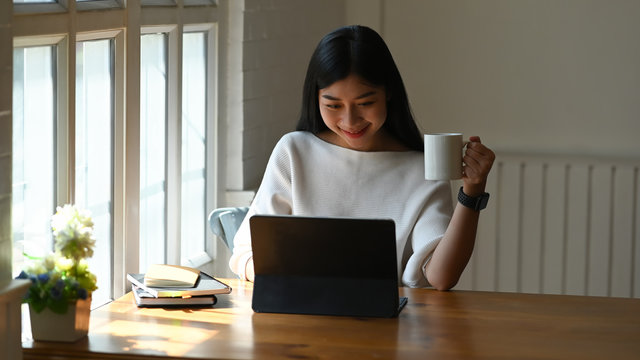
x=172, y=285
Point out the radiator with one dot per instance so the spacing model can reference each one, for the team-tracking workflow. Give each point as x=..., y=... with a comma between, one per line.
x=559, y=225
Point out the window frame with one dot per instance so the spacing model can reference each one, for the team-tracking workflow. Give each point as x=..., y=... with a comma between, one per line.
x=117, y=50
x=64, y=25
x=25, y=43
x=61, y=42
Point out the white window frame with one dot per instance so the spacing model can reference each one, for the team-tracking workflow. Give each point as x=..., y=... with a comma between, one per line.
x=63, y=25
x=61, y=42
x=118, y=161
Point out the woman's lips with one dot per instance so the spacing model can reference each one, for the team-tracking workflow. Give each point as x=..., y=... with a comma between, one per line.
x=357, y=134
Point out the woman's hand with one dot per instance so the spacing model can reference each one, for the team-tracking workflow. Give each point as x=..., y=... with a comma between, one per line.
x=454, y=250
x=478, y=160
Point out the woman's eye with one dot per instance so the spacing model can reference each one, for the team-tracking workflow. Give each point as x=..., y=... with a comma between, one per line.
x=366, y=103
x=332, y=106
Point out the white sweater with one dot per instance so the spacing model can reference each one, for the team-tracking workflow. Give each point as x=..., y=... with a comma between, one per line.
x=309, y=177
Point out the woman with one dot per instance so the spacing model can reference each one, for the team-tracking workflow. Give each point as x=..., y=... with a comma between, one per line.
x=357, y=152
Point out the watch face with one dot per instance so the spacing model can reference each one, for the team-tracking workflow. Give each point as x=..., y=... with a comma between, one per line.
x=483, y=201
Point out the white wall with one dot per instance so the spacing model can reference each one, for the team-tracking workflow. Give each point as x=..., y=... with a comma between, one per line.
x=528, y=75
x=541, y=76
x=558, y=77
x=277, y=39
x=268, y=47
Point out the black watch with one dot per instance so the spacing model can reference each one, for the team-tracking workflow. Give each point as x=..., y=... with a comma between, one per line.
x=476, y=203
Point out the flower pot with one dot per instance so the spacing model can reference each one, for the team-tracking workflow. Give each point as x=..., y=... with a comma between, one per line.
x=68, y=327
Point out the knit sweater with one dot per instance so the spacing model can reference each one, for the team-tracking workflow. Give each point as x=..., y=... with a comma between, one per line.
x=307, y=176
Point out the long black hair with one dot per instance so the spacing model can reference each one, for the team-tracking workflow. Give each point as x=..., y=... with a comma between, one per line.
x=358, y=50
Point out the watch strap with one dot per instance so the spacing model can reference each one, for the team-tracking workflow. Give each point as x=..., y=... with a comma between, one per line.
x=476, y=203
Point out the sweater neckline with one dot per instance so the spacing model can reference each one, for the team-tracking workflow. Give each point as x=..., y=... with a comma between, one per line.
x=353, y=151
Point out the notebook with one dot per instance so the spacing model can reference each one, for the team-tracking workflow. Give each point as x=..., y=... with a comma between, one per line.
x=206, y=285
x=144, y=299
x=325, y=266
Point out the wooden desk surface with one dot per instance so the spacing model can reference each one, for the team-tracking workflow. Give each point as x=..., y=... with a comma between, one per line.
x=436, y=325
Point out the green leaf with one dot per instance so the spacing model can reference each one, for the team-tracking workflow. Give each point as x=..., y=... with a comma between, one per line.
x=59, y=307
x=37, y=306
x=31, y=257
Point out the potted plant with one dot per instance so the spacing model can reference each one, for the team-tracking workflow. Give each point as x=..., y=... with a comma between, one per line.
x=59, y=297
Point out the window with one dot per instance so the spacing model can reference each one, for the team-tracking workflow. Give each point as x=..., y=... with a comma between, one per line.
x=35, y=6
x=194, y=144
x=173, y=147
x=33, y=194
x=153, y=159
x=127, y=139
x=94, y=148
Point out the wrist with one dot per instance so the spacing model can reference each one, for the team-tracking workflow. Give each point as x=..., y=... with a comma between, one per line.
x=475, y=203
x=474, y=190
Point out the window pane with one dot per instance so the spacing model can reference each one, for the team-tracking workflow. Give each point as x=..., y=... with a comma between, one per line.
x=94, y=149
x=153, y=114
x=33, y=1
x=82, y=5
x=158, y=2
x=33, y=200
x=199, y=2
x=194, y=92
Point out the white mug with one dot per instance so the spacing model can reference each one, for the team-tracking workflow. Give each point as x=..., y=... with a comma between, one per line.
x=443, y=156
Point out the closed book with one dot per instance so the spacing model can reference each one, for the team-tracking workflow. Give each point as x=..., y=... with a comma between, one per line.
x=144, y=299
x=206, y=285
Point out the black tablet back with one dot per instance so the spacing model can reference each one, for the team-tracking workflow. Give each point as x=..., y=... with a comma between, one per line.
x=325, y=266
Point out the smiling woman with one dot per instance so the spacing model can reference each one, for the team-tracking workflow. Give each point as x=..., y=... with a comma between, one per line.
x=355, y=62
x=356, y=141
x=355, y=111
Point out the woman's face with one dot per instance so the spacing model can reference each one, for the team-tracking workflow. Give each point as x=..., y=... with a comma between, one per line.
x=354, y=111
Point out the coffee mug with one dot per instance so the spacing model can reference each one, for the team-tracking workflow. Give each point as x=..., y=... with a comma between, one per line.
x=443, y=156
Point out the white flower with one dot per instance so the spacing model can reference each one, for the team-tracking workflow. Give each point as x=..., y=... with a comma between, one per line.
x=73, y=232
x=36, y=268
x=63, y=263
x=49, y=262
x=61, y=278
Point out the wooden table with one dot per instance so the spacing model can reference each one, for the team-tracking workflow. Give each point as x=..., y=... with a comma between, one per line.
x=433, y=325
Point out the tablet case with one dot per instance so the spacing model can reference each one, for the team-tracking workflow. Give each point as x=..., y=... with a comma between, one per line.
x=325, y=266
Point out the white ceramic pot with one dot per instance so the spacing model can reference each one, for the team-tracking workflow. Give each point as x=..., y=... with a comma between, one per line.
x=69, y=327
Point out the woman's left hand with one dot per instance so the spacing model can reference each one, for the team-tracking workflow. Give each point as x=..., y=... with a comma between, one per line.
x=452, y=253
x=478, y=160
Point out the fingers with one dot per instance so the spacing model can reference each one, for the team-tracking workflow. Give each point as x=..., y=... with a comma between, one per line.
x=478, y=160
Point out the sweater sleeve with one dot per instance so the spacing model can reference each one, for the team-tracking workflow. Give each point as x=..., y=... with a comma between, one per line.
x=429, y=229
x=273, y=197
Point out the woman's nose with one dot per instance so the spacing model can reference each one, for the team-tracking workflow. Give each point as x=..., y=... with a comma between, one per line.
x=352, y=115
